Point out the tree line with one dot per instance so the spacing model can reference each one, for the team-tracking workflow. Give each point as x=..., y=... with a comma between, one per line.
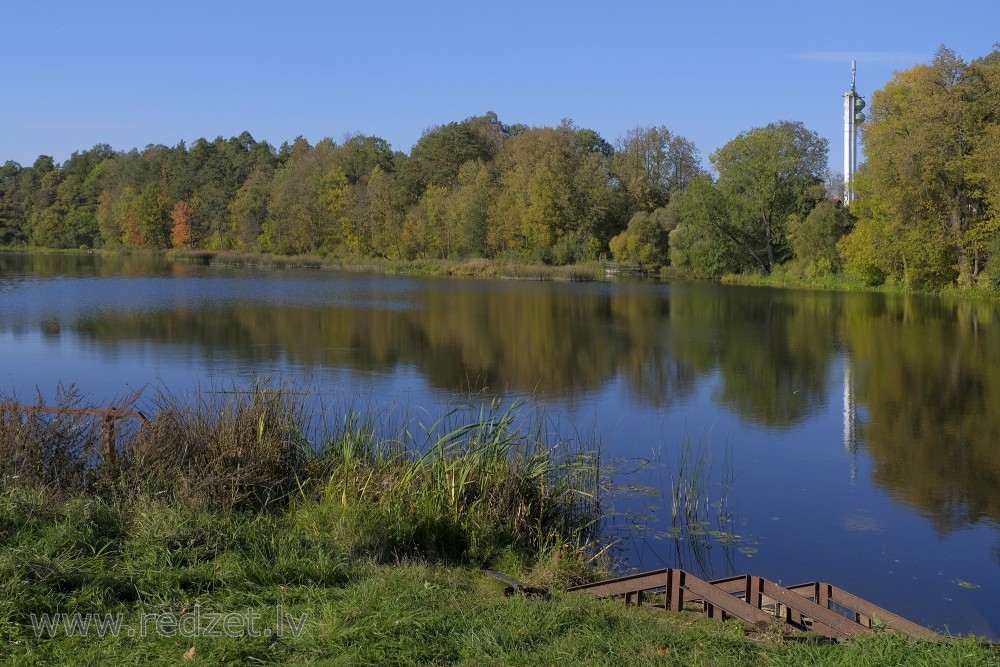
x=927, y=211
x=475, y=188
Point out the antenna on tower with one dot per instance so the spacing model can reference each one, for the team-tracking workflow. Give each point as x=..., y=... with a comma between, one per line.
x=854, y=74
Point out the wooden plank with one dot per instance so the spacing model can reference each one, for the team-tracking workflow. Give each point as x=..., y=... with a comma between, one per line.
x=870, y=610
x=623, y=585
x=732, y=585
x=829, y=622
x=730, y=605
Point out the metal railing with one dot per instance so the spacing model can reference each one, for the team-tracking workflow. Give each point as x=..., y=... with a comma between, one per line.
x=108, y=415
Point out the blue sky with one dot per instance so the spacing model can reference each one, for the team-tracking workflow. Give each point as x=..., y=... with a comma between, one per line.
x=136, y=73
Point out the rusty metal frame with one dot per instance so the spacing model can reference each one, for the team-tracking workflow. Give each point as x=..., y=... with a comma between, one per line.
x=758, y=601
x=108, y=415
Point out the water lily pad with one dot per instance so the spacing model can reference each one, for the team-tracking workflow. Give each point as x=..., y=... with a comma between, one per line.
x=862, y=524
x=724, y=538
x=748, y=551
x=967, y=584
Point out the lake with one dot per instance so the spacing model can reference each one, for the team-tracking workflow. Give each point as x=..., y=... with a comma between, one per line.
x=847, y=438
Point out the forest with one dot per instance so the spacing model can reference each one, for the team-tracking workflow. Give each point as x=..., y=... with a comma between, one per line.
x=926, y=214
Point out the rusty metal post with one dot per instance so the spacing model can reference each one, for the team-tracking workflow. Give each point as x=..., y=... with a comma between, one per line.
x=108, y=416
x=109, y=438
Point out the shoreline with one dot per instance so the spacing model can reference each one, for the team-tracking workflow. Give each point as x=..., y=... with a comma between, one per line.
x=485, y=269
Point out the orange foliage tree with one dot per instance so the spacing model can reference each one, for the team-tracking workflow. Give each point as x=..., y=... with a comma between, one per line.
x=180, y=234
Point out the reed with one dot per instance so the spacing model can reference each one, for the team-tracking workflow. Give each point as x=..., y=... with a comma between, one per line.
x=484, y=482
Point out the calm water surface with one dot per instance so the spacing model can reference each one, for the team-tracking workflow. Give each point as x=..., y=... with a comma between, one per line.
x=852, y=438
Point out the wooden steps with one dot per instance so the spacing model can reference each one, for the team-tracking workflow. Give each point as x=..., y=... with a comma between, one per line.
x=812, y=607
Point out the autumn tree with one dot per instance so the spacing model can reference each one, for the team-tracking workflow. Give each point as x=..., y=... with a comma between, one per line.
x=180, y=233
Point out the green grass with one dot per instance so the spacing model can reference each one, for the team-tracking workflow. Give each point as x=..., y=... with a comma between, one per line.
x=353, y=612
x=785, y=278
x=788, y=277
x=372, y=535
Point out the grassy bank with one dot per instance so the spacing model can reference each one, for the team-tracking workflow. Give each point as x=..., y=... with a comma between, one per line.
x=505, y=269
x=180, y=564
x=785, y=278
x=472, y=268
x=366, y=536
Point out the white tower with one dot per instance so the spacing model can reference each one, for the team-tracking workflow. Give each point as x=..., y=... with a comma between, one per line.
x=853, y=104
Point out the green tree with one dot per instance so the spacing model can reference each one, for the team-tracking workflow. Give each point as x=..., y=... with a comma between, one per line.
x=814, y=238
x=766, y=175
x=67, y=217
x=383, y=218
x=358, y=156
x=702, y=244
x=984, y=163
x=249, y=209
x=438, y=156
x=295, y=211
x=11, y=204
x=469, y=212
x=424, y=229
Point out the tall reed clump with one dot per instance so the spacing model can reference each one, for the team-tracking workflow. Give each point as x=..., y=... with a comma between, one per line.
x=476, y=485
x=223, y=449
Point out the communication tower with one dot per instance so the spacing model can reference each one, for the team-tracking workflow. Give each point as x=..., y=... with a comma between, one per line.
x=853, y=116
